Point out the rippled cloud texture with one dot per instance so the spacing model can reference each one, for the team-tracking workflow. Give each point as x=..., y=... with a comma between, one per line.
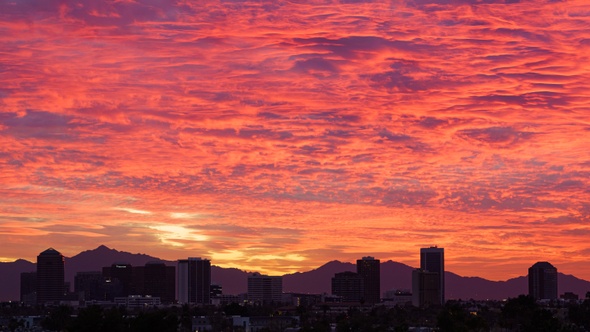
x=278, y=135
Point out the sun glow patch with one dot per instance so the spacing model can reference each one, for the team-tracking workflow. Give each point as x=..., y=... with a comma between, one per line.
x=134, y=211
x=185, y=215
x=176, y=235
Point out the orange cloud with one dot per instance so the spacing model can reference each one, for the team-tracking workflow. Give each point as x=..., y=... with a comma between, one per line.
x=276, y=136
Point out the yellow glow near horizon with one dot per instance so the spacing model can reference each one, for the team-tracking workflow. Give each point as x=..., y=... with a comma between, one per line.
x=175, y=235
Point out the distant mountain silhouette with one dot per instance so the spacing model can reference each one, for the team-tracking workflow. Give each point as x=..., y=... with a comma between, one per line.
x=10, y=278
x=394, y=275
x=95, y=260
x=315, y=281
x=234, y=281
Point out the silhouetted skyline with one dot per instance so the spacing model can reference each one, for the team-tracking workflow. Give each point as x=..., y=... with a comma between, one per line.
x=394, y=275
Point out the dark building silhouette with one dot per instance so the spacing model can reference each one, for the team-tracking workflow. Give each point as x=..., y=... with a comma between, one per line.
x=216, y=290
x=433, y=260
x=137, y=280
x=50, y=277
x=154, y=278
x=348, y=285
x=425, y=288
x=543, y=281
x=89, y=285
x=121, y=275
x=159, y=281
x=194, y=281
x=111, y=288
x=265, y=289
x=369, y=269
x=28, y=288
x=569, y=296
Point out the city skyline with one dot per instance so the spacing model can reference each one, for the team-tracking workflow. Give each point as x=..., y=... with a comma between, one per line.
x=125, y=266
x=276, y=136
x=354, y=263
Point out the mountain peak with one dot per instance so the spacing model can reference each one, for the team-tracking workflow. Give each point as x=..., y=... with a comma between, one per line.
x=102, y=247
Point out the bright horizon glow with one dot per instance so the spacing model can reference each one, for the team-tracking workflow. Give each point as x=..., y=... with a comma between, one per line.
x=276, y=136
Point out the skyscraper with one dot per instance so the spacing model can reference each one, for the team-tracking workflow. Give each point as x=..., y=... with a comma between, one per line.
x=28, y=288
x=349, y=285
x=425, y=288
x=265, y=289
x=159, y=281
x=433, y=260
x=121, y=275
x=50, y=277
x=543, y=281
x=194, y=281
x=89, y=285
x=369, y=269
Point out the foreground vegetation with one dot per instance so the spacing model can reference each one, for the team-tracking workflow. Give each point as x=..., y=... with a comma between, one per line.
x=518, y=314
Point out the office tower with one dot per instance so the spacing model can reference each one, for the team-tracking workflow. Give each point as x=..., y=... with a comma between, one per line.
x=121, y=275
x=89, y=285
x=265, y=289
x=425, y=288
x=543, y=281
x=194, y=281
x=28, y=288
x=348, y=285
x=158, y=281
x=50, y=277
x=369, y=269
x=433, y=260
x=137, y=280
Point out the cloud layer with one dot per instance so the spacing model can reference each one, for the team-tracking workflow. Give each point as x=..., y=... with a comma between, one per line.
x=277, y=135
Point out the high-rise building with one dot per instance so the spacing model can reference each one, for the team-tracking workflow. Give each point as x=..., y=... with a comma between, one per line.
x=89, y=285
x=159, y=281
x=120, y=279
x=50, y=277
x=369, y=269
x=543, y=281
x=348, y=285
x=28, y=288
x=433, y=260
x=425, y=288
x=265, y=289
x=194, y=281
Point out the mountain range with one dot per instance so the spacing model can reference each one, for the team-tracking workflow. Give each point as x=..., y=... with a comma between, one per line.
x=394, y=275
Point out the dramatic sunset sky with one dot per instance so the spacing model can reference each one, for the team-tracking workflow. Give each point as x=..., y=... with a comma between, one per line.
x=275, y=136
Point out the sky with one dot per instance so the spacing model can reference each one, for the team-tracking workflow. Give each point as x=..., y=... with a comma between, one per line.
x=275, y=136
